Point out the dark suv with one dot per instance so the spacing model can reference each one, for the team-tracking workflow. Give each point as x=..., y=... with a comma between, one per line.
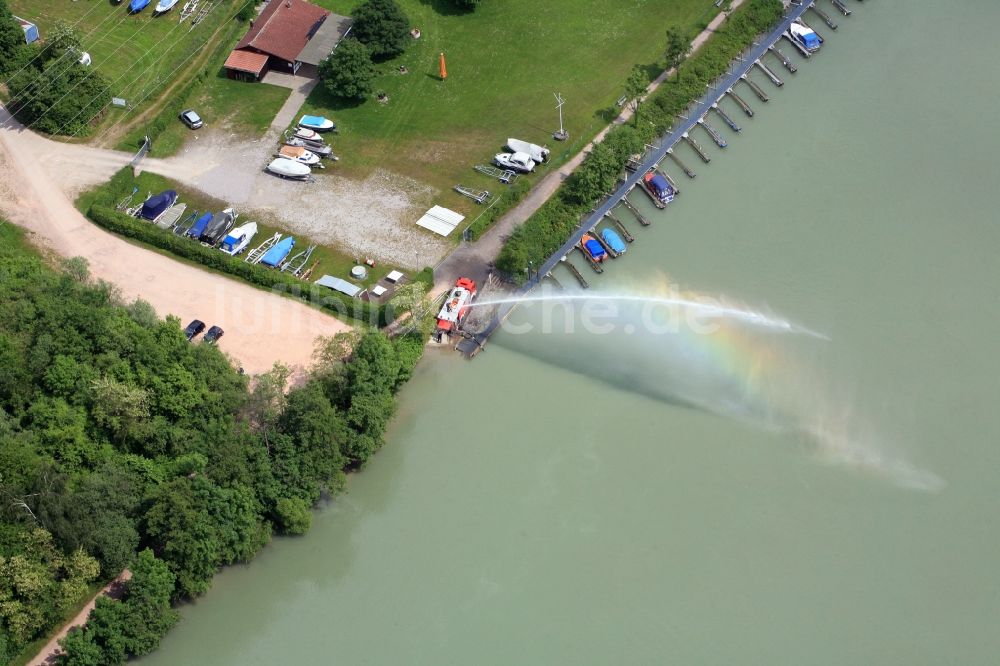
x=194, y=328
x=214, y=334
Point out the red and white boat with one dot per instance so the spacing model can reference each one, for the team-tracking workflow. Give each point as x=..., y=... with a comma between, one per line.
x=457, y=305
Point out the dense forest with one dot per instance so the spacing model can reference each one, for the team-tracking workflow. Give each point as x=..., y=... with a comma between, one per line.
x=122, y=445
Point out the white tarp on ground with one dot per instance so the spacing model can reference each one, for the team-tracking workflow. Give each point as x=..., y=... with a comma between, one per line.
x=440, y=220
x=394, y=276
x=335, y=283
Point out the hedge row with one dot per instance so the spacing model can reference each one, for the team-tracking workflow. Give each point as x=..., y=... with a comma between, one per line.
x=545, y=231
x=269, y=278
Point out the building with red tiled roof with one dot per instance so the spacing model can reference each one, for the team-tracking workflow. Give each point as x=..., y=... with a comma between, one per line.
x=289, y=36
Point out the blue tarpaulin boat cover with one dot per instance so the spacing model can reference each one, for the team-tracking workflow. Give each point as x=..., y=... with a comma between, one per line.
x=198, y=228
x=154, y=206
x=812, y=40
x=277, y=254
x=613, y=240
x=595, y=249
x=660, y=184
x=137, y=5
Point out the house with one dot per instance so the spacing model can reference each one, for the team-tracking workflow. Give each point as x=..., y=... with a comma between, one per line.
x=30, y=30
x=289, y=36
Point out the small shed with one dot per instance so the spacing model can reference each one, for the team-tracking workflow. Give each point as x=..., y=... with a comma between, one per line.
x=394, y=276
x=343, y=286
x=440, y=220
x=30, y=30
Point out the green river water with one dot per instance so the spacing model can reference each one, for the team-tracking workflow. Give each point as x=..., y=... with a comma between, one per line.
x=750, y=496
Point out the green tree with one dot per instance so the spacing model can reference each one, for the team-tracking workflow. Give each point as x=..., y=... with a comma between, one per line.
x=635, y=86
x=293, y=514
x=11, y=39
x=348, y=72
x=678, y=44
x=382, y=26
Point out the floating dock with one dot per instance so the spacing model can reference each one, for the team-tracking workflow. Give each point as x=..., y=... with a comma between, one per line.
x=698, y=149
x=635, y=211
x=677, y=160
x=725, y=118
x=576, y=273
x=839, y=4
x=823, y=15
x=702, y=107
x=740, y=102
x=719, y=141
x=786, y=63
x=770, y=74
x=757, y=90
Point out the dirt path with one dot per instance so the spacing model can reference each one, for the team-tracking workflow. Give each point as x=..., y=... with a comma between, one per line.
x=473, y=259
x=37, y=179
x=48, y=654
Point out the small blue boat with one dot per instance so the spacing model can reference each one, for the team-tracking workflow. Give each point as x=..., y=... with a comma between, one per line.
x=136, y=6
x=613, y=240
x=154, y=207
x=277, y=254
x=317, y=123
x=198, y=228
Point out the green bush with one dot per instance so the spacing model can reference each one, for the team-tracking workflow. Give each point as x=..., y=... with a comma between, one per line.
x=545, y=231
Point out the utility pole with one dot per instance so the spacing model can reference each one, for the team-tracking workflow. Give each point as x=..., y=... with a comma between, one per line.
x=562, y=134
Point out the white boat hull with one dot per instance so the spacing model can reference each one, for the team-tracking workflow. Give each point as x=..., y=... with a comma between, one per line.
x=287, y=168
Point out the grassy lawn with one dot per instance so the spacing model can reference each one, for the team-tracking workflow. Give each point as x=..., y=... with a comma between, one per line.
x=138, y=54
x=505, y=60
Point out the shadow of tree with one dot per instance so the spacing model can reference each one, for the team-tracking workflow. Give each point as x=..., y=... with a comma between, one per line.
x=447, y=7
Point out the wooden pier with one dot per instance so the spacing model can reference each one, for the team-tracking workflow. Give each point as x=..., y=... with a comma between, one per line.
x=719, y=141
x=803, y=50
x=839, y=4
x=740, y=102
x=757, y=90
x=725, y=118
x=770, y=73
x=698, y=149
x=823, y=15
x=635, y=211
x=629, y=238
x=684, y=168
x=576, y=273
x=556, y=282
x=788, y=64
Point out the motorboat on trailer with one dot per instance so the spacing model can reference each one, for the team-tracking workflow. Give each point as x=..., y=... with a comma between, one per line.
x=320, y=149
x=539, y=154
x=593, y=248
x=308, y=135
x=515, y=162
x=456, y=306
x=278, y=252
x=154, y=207
x=299, y=154
x=164, y=6
x=614, y=241
x=805, y=36
x=239, y=238
x=136, y=6
x=286, y=168
x=317, y=123
x=658, y=188
x=198, y=228
x=216, y=229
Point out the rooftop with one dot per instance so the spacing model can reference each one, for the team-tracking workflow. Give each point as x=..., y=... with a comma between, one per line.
x=322, y=44
x=284, y=28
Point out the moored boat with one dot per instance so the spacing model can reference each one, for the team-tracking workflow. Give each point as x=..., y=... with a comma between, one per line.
x=613, y=240
x=456, y=305
x=658, y=188
x=154, y=207
x=198, y=228
x=286, y=168
x=238, y=239
x=278, y=252
x=805, y=36
x=164, y=6
x=216, y=229
x=299, y=154
x=593, y=248
x=317, y=123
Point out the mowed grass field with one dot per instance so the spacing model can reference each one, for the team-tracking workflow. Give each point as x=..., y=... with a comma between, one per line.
x=140, y=55
x=504, y=61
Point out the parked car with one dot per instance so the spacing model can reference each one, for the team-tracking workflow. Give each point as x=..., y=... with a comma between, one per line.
x=214, y=334
x=194, y=328
x=191, y=119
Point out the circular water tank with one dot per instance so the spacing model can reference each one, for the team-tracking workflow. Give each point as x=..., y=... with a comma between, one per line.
x=359, y=272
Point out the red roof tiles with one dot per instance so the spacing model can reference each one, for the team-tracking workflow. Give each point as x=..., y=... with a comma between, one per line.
x=283, y=28
x=247, y=61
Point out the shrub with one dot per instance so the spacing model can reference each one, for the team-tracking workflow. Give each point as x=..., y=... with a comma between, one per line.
x=348, y=72
x=382, y=26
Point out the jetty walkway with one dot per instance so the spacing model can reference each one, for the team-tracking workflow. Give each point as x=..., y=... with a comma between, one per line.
x=472, y=344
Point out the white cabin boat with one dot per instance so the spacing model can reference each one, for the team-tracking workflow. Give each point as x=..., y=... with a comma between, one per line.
x=238, y=239
x=164, y=6
x=516, y=161
x=805, y=36
x=299, y=154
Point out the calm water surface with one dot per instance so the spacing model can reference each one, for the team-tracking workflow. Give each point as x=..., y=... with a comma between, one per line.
x=748, y=497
